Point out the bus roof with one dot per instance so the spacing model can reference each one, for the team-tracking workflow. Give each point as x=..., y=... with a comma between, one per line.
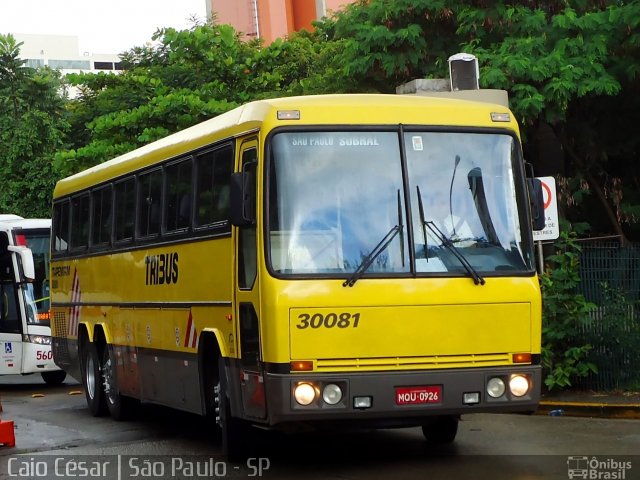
x=343, y=110
x=23, y=223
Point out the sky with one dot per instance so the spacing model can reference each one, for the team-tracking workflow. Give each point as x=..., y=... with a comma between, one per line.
x=103, y=26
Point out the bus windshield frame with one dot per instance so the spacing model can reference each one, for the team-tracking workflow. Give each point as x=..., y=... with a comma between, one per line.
x=326, y=213
x=38, y=292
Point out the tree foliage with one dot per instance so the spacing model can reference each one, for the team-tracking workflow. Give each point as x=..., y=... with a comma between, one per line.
x=571, y=68
x=187, y=77
x=564, y=315
x=32, y=128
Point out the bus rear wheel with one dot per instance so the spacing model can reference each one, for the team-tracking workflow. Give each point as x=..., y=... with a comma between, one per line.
x=120, y=407
x=55, y=377
x=92, y=380
x=441, y=430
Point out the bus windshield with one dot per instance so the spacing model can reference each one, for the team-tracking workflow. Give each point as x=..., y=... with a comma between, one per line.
x=463, y=187
x=38, y=242
x=334, y=196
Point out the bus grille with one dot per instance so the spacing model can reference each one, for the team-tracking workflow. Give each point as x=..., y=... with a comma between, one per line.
x=413, y=363
x=60, y=344
x=59, y=325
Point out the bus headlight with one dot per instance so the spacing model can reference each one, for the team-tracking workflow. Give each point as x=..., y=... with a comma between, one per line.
x=332, y=394
x=495, y=387
x=38, y=339
x=304, y=393
x=519, y=385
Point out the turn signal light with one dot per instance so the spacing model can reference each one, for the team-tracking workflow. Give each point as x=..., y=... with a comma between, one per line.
x=302, y=366
x=521, y=358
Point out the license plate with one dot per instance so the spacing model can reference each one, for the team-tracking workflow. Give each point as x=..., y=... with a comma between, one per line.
x=418, y=395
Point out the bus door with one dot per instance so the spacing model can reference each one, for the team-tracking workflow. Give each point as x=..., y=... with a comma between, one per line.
x=10, y=321
x=246, y=293
x=16, y=264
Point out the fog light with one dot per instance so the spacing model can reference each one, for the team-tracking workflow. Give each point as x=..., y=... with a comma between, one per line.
x=495, y=387
x=519, y=385
x=362, y=402
x=332, y=394
x=304, y=393
x=471, y=398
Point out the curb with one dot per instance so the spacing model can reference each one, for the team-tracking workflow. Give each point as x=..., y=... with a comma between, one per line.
x=589, y=409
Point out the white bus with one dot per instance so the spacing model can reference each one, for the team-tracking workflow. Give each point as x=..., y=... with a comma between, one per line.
x=25, y=329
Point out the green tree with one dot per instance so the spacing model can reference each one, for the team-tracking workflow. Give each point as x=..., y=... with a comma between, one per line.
x=564, y=315
x=571, y=68
x=32, y=128
x=185, y=78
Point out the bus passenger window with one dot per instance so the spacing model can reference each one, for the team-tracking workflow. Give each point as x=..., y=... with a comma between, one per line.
x=60, y=227
x=80, y=222
x=101, y=232
x=125, y=209
x=179, y=192
x=212, y=197
x=149, y=203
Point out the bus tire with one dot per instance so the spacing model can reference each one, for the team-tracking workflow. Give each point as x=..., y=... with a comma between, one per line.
x=92, y=380
x=55, y=377
x=441, y=430
x=119, y=406
x=233, y=430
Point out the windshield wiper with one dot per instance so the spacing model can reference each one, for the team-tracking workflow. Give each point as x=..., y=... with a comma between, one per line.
x=477, y=278
x=378, y=249
x=368, y=260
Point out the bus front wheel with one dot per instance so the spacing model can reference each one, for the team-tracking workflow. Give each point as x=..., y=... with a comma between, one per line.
x=234, y=431
x=55, y=377
x=441, y=430
x=92, y=380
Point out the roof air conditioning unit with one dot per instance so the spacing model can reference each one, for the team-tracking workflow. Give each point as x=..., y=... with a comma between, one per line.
x=464, y=72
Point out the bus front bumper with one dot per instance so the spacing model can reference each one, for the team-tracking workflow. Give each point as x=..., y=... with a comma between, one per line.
x=400, y=398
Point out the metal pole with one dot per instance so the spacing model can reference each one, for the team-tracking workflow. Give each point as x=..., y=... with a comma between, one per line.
x=540, y=259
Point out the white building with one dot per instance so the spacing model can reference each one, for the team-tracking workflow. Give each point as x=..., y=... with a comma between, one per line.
x=62, y=52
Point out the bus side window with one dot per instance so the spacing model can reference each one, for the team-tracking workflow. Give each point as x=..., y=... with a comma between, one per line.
x=60, y=237
x=125, y=202
x=212, y=196
x=247, y=262
x=101, y=231
x=80, y=210
x=179, y=191
x=149, y=203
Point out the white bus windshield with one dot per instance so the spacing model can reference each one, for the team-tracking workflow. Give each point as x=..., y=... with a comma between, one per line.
x=38, y=242
x=334, y=196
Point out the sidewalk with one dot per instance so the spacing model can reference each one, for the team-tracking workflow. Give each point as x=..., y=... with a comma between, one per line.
x=591, y=404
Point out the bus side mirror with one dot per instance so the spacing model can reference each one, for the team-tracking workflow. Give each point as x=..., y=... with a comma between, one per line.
x=243, y=199
x=536, y=200
x=26, y=260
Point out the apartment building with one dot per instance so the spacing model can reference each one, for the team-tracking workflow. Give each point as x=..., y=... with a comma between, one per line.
x=271, y=19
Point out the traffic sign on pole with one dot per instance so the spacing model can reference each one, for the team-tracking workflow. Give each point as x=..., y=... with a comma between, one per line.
x=551, y=228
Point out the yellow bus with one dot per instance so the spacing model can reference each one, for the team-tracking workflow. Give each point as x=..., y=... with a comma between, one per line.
x=340, y=260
